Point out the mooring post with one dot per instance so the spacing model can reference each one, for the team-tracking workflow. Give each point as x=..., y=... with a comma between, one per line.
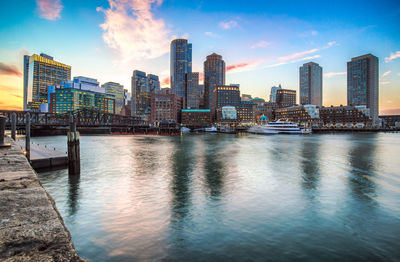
x=13, y=125
x=74, y=163
x=2, y=130
x=28, y=136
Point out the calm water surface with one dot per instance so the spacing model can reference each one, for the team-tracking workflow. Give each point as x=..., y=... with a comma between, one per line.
x=232, y=197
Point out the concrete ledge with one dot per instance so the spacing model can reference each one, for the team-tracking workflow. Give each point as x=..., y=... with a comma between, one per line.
x=31, y=228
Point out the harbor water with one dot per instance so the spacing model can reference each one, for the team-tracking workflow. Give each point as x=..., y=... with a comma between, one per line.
x=227, y=197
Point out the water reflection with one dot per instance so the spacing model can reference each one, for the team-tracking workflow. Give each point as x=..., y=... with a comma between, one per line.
x=214, y=167
x=73, y=194
x=183, y=164
x=362, y=159
x=310, y=164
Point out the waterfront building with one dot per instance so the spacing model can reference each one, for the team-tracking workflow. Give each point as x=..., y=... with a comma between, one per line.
x=117, y=90
x=142, y=87
x=307, y=115
x=214, y=75
x=345, y=116
x=87, y=83
x=181, y=64
x=192, y=99
x=363, y=83
x=165, y=107
x=65, y=98
x=390, y=121
x=257, y=100
x=310, y=84
x=285, y=98
x=226, y=95
x=196, y=118
x=266, y=109
x=246, y=97
x=227, y=115
x=40, y=72
x=272, y=96
x=245, y=112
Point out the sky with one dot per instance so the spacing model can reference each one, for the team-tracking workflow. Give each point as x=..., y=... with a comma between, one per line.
x=262, y=42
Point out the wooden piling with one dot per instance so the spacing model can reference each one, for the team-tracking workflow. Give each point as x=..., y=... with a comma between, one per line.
x=28, y=136
x=13, y=125
x=74, y=162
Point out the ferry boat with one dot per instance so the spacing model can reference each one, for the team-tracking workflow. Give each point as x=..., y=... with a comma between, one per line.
x=211, y=129
x=279, y=127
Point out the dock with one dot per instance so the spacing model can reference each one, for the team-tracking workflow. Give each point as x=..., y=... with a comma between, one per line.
x=44, y=156
x=31, y=228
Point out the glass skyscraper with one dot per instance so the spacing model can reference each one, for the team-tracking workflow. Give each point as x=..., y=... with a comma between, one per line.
x=142, y=87
x=311, y=84
x=192, y=99
x=40, y=72
x=214, y=74
x=181, y=64
x=363, y=83
x=272, y=96
x=117, y=90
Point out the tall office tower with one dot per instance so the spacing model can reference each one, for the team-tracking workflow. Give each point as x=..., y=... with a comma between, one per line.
x=154, y=84
x=40, y=72
x=311, y=84
x=26, y=72
x=272, y=96
x=87, y=83
x=117, y=90
x=181, y=64
x=363, y=84
x=285, y=98
x=192, y=99
x=140, y=94
x=214, y=74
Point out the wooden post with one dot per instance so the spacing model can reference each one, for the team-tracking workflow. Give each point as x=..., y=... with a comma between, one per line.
x=13, y=125
x=74, y=162
x=28, y=136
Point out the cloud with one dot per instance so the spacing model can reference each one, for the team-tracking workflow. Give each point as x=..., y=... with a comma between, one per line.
x=165, y=81
x=332, y=74
x=386, y=73
x=131, y=30
x=260, y=44
x=241, y=67
x=392, y=111
x=49, y=9
x=294, y=61
x=392, y=56
x=303, y=53
x=398, y=74
x=384, y=82
x=314, y=32
x=228, y=25
x=9, y=70
x=211, y=34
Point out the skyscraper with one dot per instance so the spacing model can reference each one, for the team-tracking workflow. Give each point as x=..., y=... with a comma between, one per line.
x=117, y=90
x=181, y=64
x=363, y=85
x=285, y=98
x=140, y=94
x=192, y=99
x=40, y=72
x=311, y=84
x=214, y=74
x=272, y=96
x=154, y=84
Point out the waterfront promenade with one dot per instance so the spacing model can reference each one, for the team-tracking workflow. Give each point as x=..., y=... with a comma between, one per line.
x=31, y=228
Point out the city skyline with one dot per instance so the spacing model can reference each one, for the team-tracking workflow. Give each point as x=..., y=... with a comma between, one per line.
x=273, y=40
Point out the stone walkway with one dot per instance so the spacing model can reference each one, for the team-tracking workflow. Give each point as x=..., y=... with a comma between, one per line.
x=31, y=228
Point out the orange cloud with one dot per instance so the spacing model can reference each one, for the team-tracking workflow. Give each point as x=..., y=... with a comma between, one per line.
x=131, y=30
x=303, y=53
x=9, y=70
x=165, y=81
x=241, y=67
x=49, y=9
x=392, y=56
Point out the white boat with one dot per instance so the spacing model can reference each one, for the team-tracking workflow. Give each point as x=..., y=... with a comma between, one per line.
x=279, y=127
x=184, y=129
x=210, y=129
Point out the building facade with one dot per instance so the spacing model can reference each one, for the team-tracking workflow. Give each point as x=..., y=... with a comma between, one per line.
x=345, y=116
x=196, y=118
x=272, y=95
x=285, y=98
x=192, y=99
x=181, y=64
x=40, y=72
x=307, y=115
x=310, y=84
x=166, y=107
x=117, y=90
x=214, y=75
x=363, y=83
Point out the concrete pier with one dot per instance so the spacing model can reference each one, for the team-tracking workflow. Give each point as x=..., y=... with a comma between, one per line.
x=31, y=228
